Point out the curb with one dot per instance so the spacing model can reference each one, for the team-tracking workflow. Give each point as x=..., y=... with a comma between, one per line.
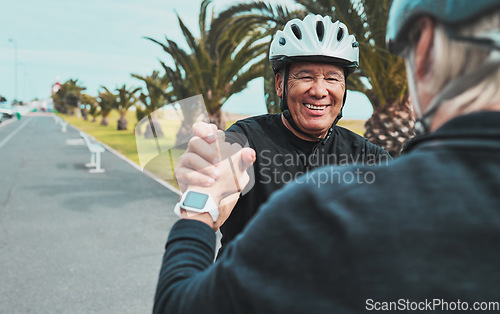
x=7, y=122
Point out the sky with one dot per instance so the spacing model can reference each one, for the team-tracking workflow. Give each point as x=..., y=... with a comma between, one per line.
x=101, y=43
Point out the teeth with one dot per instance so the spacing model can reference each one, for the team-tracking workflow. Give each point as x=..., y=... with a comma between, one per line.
x=313, y=107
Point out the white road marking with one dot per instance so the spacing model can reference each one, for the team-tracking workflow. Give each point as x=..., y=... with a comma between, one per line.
x=75, y=142
x=14, y=133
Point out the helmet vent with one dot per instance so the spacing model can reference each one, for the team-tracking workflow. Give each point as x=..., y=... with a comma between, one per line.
x=282, y=41
x=320, y=30
x=340, y=34
x=296, y=31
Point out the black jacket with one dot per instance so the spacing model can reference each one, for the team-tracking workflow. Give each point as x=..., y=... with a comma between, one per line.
x=425, y=232
x=282, y=157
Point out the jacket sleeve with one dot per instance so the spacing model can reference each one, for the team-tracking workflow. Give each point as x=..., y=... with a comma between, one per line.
x=236, y=134
x=260, y=271
x=189, y=251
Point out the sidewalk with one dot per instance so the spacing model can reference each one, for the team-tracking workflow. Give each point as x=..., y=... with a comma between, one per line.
x=72, y=241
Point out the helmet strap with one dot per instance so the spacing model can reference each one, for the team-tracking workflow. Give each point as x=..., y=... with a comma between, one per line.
x=420, y=126
x=489, y=39
x=283, y=98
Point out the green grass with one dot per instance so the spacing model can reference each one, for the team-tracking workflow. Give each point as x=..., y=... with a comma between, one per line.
x=357, y=126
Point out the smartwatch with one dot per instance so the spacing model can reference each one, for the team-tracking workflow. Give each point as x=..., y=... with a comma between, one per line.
x=197, y=203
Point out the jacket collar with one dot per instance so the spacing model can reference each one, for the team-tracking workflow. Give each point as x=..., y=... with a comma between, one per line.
x=479, y=126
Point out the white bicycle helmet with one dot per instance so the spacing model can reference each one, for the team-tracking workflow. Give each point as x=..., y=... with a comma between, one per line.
x=317, y=39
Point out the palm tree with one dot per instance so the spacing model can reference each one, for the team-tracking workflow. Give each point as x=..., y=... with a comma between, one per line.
x=67, y=98
x=180, y=90
x=158, y=94
x=94, y=111
x=90, y=101
x=158, y=91
x=106, y=100
x=124, y=99
x=267, y=20
x=217, y=65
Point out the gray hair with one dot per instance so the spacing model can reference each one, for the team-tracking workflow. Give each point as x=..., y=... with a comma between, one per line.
x=451, y=59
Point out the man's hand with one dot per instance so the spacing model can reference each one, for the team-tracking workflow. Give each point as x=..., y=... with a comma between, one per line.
x=211, y=165
x=227, y=188
x=196, y=166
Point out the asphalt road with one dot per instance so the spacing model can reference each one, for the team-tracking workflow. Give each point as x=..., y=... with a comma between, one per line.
x=72, y=241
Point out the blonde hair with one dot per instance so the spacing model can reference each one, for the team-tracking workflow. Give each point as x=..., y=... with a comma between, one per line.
x=451, y=59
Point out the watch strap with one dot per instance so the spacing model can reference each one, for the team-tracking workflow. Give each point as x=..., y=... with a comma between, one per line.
x=210, y=207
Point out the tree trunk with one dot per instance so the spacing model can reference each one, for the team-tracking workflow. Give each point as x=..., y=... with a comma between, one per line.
x=104, y=121
x=184, y=134
x=138, y=131
x=391, y=127
x=217, y=119
x=122, y=122
x=153, y=129
x=139, y=114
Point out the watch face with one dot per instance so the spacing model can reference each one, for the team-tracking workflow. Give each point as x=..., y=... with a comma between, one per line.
x=195, y=200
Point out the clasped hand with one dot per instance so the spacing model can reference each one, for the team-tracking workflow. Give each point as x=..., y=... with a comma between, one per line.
x=213, y=166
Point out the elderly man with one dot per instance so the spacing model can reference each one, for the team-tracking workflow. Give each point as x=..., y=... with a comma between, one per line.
x=312, y=59
x=423, y=237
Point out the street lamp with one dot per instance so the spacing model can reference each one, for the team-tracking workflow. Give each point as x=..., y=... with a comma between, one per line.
x=15, y=47
x=22, y=80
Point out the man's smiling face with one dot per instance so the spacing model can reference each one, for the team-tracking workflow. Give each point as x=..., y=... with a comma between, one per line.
x=315, y=95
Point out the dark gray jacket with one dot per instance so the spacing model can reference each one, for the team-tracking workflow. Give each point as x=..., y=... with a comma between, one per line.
x=425, y=231
x=281, y=157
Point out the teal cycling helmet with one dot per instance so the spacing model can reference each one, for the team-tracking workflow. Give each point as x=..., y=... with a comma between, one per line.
x=452, y=14
x=404, y=13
